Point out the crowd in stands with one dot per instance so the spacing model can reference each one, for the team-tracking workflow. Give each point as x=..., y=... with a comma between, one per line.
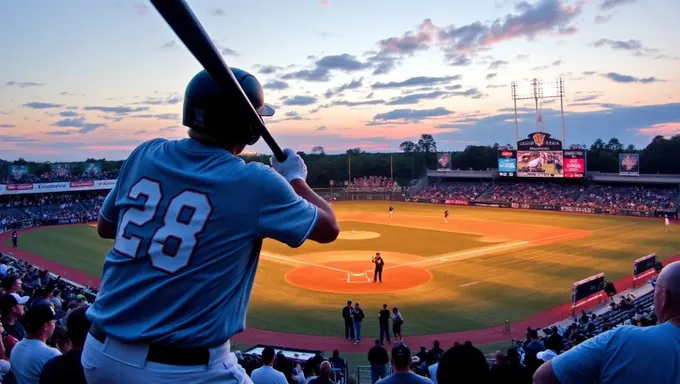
x=372, y=184
x=595, y=196
x=533, y=193
x=54, y=177
x=51, y=206
x=462, y=190
x=636, y=198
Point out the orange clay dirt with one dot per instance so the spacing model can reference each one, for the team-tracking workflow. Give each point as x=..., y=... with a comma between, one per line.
x=355, y=277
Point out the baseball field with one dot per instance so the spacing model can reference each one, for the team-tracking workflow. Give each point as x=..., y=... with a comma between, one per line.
x=483, y=267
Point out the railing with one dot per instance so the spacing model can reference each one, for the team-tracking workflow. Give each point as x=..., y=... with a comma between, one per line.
x=363, y=373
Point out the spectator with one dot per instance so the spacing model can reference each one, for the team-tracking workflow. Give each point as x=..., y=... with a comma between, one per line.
x=5, y=366
x=13, y=310
x=627, y=354
x=324, y=374
x=432, y=372
x=251, y=363
x=422, y=354
x=436, y=350
x=42, y=297
x=384, y=323
x=338, y=363
x=377, y=357
x=67, y=368
x=531, y=349
x=30, y=354
x=463, y=364
x=56, y=299
x=12, y=284
x=401, y=373
x=266, y=374
x=397, y=321
x=510, y=370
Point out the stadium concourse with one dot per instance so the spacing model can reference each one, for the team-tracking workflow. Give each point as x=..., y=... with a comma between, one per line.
x=74, y=288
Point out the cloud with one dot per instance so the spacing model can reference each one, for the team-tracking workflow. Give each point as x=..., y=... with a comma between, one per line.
x=170, y=45
x=268, y=69
x=325, y=3
x=410, y=115
x=417, y=81
x=492, y=86
x=141, y=9
x=23, y=84
x=392, y=49
x=497, y=64
x=323, y=67
x=491, y=76
x=16, y=139
x=663, y=129
x=68, y=114
x=601, y=19
x=346, y=103
x=141, y=132
x=299, y=100
x=588, y=73
x=522, y=57
x=59, y=133
x=607, y=5
x=217, y=12
x=472, y=93
x=631, y=45
x=169, y=100
x=557, y=63
x=169, y=128
x=41, y=105
x=78, y=122
x=159, y=116
x=322, y=128
x=7, y=125
x=354, y=84
x=540, y=68
x=118, y=110
x=415, y=98
x=529, y=21
x=619, y=78
x=587, y=98
x=226, y=51
x=276, y=84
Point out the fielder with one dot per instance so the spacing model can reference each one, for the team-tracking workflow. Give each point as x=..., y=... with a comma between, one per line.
x=667, y=223
x=446, y=216
x=187, y=218
x=391, y=211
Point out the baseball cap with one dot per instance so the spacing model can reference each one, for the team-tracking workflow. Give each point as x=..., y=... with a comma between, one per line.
x=36, y=317
x=10, y=300
x=546, y=355
x=401, y=354
x=81, y=297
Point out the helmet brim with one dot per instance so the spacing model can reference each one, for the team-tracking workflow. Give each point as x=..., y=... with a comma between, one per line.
x=266, y=110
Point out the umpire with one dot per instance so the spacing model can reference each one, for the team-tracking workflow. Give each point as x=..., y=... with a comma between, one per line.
x=379, y=263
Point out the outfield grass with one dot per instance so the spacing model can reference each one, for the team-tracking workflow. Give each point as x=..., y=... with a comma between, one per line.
x=472, y=293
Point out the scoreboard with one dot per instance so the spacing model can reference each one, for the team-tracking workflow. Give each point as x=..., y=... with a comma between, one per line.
x=574, y=164
x=507, y=163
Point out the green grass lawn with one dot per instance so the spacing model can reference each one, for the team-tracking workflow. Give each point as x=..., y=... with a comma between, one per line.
x=466, y=294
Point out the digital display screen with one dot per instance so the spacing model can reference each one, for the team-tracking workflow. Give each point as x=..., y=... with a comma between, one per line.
x=540, y=164
x=507, y=163
x=574, y=164
x=644, y=264
x=587, y=287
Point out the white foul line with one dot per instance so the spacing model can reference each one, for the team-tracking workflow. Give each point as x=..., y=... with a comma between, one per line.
x=302, y=262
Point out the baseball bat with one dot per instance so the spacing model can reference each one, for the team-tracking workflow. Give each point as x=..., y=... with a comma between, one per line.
x=186, y=26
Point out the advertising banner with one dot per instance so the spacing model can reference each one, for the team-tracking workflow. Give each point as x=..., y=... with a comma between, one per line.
x=490, y=205
x=577, y=209
x=456, y=202
x=507, y=163
x=644, y=264
x=61, y=169
x=91, y=185
x=629, y=164
x=444, y=161
x=574, y=164
x=540, y=164
x=587, y=287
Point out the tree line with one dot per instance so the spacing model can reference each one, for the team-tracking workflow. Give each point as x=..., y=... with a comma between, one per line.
x=661, y=155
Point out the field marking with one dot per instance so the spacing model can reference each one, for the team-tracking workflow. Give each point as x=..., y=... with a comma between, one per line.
x=469, y=284
x=269, y=255
x=614, y=227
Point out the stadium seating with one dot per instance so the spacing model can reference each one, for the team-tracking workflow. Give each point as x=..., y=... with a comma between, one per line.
x=463, y=190
x=372, y=184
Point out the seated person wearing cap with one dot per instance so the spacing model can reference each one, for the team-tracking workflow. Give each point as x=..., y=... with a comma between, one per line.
x=12, y=311
x=401, y=373
x=67, y=368
x=30, y=354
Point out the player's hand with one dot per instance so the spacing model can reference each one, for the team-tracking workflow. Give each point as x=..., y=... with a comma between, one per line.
x=293, y=168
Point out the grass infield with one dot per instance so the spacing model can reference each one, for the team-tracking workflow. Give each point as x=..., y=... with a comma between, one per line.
x=485, y=266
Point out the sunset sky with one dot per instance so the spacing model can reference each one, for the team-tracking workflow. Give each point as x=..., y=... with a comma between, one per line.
x=85, y=78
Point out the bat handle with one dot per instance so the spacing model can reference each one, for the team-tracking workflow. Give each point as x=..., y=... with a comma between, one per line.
x=274, y=146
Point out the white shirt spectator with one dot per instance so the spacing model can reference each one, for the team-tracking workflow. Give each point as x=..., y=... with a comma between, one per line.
x=267, y=375
x=27, y=360
x=432, y=370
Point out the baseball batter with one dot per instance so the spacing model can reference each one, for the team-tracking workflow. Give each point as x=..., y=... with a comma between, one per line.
x=187, y=218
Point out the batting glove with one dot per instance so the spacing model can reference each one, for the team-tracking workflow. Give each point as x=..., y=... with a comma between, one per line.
x=293, y=168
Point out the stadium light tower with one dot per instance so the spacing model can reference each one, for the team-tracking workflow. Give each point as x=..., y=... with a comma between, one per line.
x=536, y=93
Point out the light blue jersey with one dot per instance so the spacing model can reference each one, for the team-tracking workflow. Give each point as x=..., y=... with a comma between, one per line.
x=624, y=355
x=190, y=221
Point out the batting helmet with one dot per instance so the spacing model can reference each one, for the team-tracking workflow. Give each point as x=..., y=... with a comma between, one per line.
x=207, y=109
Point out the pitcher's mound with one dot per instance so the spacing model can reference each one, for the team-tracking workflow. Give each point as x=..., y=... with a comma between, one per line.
x=357, y=235
x=355, y=277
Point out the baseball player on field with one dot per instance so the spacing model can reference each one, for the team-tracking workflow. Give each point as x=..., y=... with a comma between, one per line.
x=446, y=216
x=391, y=211
x=187, y=218
x=667, y=223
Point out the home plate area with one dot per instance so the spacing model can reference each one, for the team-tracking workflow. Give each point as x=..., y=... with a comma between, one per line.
x=355, y=277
